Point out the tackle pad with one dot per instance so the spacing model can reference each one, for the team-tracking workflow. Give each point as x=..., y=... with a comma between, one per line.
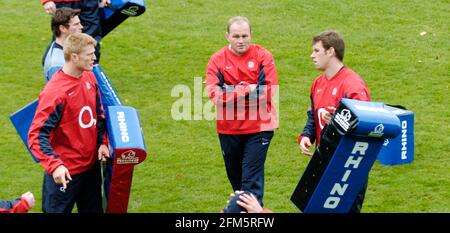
x=399, y=150
x=341, y=163
x=118, y=11
x=127, y=148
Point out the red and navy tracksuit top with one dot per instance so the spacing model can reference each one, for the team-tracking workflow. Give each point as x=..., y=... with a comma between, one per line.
x=328, y=93
x=69, y=123
x=228, y=77
x=19, y=205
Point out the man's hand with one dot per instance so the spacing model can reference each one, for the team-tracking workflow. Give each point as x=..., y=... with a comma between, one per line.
x=60, y=174
x=252, y=87
x=50, y=8
x=305, y=144
x=29, y=197
x=327, y=116
x=247, y=86
x=104, y=3
x=249, y=202
x=103, y=152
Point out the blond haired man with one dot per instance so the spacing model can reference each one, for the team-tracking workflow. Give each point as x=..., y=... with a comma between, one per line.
x=67, y=134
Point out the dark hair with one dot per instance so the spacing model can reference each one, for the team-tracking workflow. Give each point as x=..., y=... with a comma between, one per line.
x=62, y=16
x=331, y=39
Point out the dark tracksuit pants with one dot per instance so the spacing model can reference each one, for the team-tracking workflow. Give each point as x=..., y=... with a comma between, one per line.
x=84, y=189
x=244, y=157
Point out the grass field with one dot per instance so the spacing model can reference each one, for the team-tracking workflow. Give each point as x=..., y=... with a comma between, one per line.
x=171, y=43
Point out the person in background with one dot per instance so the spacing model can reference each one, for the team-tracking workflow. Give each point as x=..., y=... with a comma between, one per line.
x=65, y=21
x=336, y=82
x=241, y=80
x=68, y=132
x=89, y=16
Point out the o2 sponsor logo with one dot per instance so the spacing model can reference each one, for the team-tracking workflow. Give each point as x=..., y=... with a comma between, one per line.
x=86, y=118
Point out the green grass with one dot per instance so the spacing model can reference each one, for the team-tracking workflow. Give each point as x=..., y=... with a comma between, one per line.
x=171, y=43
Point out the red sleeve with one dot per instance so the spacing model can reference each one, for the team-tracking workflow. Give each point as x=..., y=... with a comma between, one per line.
x=269, y=68
x=19, y=206
x=102, y=137
x=270, y=72
x=267, y=86
x=47, y=117
x=217, y=89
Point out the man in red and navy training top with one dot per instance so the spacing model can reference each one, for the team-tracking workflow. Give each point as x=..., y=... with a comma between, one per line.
x=241, y=80
x=67, y=134
x=336, y=82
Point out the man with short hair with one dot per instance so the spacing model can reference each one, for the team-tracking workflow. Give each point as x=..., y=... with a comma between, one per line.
x=336, y=82
x=89, y=15
x=67, y=134
x=65, y=21
x=241, y=79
